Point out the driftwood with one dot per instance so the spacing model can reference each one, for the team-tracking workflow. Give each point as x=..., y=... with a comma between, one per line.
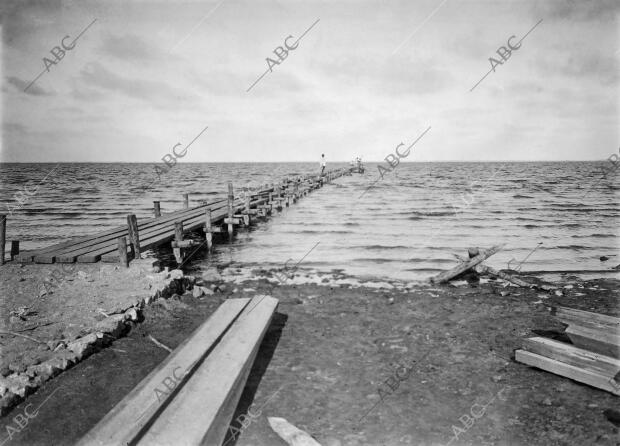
x=289, y=433
x=460, y=269
x=484, y=269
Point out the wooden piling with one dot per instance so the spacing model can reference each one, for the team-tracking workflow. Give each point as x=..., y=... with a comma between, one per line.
x=178, y=231
x=157, y=209
x=14, y=248
x=208, y=230
x=178, y=237
x=231, y=211
x=134, y=236
x=2, y=237
x=246, y=217
x=185, y=201
x=122, y=251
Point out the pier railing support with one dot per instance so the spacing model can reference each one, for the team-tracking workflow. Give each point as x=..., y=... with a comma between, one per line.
x=178, y=238
x=134, y=236
x=157, y=209
x=185, y=201
x=208, y=230
x=14, y=248
x=2, y=237
x=231, y=220
x=122, y=251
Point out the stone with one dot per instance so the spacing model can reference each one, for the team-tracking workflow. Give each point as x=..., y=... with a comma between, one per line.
x=20, y=385
x=132, y=314
x=197, y=292
x=546, y=402
x=18, y=367
x=211, y=275
x=83, y=346
x=176, y=274
x=113, y=325
x=207, y=291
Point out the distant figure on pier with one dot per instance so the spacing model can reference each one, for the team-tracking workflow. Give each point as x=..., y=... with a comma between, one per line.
x=322, y=164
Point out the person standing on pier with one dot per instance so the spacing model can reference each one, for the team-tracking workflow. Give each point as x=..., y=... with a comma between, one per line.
x=322, y=164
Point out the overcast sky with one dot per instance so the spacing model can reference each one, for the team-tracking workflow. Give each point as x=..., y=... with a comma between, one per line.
x=369, y=75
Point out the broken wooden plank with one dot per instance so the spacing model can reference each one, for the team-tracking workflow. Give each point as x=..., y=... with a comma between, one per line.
x=460, y=269
x=291, y=434
x=202, y=410
x=569, y=354
x=126, y=421
x=568, y=371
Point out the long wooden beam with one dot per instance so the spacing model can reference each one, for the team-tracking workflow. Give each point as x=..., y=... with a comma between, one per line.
x=203, y=408
x=132, y=415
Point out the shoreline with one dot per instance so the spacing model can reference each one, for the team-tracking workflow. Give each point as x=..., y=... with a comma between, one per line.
x=388, y=314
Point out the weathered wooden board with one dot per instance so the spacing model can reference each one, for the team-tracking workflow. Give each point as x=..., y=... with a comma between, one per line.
x=447, y=275
x=130, y=417
x=202, y=410
x=605, y=342
x=569, y=354
x=586, y=318
x=575, y=373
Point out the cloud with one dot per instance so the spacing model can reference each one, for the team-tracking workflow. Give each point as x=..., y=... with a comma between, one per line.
x=21, y=85
x=95, y=75
x=131, y=48
x=582, y=10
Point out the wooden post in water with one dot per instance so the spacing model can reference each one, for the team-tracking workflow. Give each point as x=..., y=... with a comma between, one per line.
x=231, y=204
x=208, y=233
x=2, y=237
x=157, y=208
x=122, y=251
x=134, y=236
x=185, y=201
x=14, y=248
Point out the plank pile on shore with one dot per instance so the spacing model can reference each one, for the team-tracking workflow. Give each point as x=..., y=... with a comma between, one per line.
x=593, y=358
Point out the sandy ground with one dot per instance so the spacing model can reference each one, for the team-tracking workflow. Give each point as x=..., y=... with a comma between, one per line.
x=418, y=365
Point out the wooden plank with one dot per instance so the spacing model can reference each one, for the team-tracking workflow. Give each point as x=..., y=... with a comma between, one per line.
x=605, y=342
x=202, y=410
x=125, y=422
x=569, y=354
x=290, y=433
x=585, y=318
x=568, y=371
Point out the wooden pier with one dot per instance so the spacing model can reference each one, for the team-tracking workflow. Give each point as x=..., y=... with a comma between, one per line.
x=128, y=241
